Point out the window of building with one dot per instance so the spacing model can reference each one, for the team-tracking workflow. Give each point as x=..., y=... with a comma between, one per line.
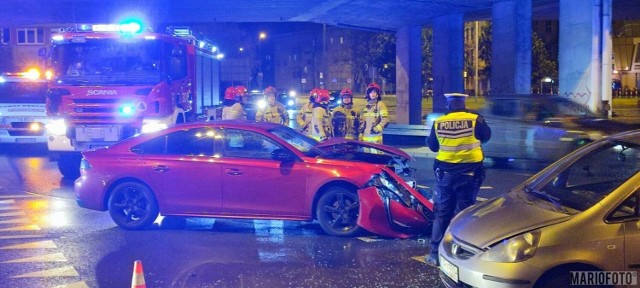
x=341, y=40
x=5, y=36
x=27, y=36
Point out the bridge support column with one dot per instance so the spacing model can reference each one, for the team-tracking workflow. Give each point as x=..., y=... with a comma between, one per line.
x=448, y=58
x=409, y=75
x=511, y=47
x=585, y=52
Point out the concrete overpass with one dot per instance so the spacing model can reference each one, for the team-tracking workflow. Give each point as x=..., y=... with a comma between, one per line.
x=585, y=34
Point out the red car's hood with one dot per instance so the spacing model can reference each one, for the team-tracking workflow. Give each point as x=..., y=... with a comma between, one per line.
x=337, y=141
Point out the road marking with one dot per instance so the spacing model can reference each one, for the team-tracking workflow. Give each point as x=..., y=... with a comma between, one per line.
x=18, y=213
x=20, y=236
x=74, y=285
x=17, y=196
x=67, y=271
x=15, y=221
x=486, y=187
x=420, y=259
x=9, y=208
x=10, y=201
x=31, y=227
x=47, y=244
x=369, y=239
x=481, y=199
x=55, y=257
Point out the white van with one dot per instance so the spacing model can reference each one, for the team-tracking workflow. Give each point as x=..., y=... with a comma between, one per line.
x=22, y=108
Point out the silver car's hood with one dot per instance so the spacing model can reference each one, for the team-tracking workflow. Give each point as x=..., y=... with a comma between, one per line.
x=501, y=218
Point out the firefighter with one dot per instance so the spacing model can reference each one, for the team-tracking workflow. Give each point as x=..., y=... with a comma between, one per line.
x=242, y=92
x=374, y=117
x=344, y=118
x=306, y=113
x=456, y=137
x=274, y=112
x=321, y=128
x=233, y=105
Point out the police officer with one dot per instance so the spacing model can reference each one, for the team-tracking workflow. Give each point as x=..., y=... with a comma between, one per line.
x=456, y=137
x=374, y=117
x=344, y=117
x=233, y=105
x=274, y=112
x=306, y=113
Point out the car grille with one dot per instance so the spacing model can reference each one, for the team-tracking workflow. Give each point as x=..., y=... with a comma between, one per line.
x=462, y=250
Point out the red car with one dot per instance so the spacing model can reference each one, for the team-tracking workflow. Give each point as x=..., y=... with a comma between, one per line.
x=239, y=169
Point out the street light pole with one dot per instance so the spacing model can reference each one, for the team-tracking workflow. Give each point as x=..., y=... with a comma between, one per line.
x=261, y=37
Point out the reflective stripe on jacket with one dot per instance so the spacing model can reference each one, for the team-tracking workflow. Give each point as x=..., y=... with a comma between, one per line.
x=456, y=135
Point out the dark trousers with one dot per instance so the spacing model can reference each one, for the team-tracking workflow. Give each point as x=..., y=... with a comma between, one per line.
x=454, y=193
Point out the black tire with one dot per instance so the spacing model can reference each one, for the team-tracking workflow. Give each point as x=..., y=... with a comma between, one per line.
x=69, y=165
x=337, y=212
x=132, y=206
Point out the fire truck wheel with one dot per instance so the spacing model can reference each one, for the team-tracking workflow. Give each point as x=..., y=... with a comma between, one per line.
x=69, y=165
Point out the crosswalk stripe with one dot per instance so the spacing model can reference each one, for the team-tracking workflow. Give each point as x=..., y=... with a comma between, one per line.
x=4, y=237
x=47, y=244
x=32, y=227
x=17, y=196
x=9, y=207
x=10, y=201
x=17, y=213
x=54, y=257
x=67, y=271
x=15, y=221
x=20, y=236
x=80, y=284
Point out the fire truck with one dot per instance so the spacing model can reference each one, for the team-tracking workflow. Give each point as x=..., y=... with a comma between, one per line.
x=111, y=82
x=22, y=107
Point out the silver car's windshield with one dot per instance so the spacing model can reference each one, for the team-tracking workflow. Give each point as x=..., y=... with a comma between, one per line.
x=590, y=178
x=302, y=143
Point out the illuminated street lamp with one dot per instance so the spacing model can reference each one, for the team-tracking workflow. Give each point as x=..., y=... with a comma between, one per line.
x=261, y=37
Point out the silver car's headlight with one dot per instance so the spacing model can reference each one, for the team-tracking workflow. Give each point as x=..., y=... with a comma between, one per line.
x=390, y=188
x=515, y=249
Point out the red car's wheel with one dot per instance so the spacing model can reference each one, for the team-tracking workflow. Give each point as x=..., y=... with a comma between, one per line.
x=133, y=206
x=337, y=212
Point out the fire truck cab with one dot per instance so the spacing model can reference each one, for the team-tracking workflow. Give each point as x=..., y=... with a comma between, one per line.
x=111, y=82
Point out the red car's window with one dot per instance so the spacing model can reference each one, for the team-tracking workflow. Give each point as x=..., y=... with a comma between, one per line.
x=192, y=142
x=247, y=144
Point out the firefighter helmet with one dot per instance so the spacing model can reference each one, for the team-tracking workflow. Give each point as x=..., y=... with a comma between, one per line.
x=322, y=96
x=230, y=93
x=371, y=87
x=346, y=92
x=241, y=90
x=269, y=91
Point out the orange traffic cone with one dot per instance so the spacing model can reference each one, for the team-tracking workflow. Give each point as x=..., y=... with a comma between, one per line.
x=138, y=276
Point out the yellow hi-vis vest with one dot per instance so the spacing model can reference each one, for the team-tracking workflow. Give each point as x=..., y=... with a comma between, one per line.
x=455, y=133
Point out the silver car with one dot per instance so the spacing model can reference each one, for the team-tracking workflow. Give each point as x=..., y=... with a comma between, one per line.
x=582, y=213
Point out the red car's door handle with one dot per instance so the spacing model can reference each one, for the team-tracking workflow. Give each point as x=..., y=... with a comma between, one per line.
x=233, y=172
x=160, y=168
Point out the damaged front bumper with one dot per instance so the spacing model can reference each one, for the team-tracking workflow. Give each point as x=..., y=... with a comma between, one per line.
x=390, y=207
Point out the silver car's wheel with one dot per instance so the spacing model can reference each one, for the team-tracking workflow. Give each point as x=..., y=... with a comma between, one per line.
x=133, y=206
x=337, y=212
